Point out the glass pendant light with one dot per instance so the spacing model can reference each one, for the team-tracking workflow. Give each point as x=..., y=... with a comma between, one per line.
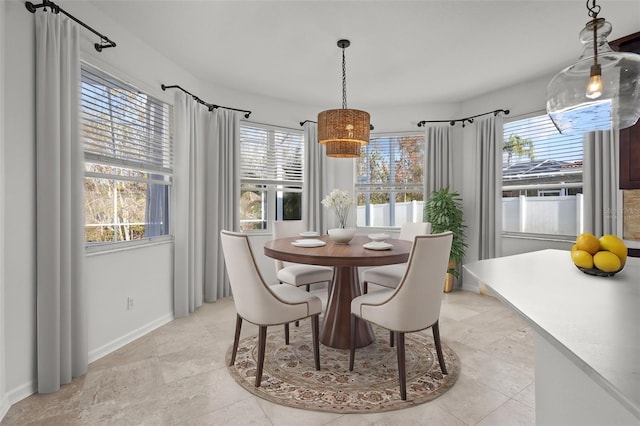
x=599, y=92
x=344, y=130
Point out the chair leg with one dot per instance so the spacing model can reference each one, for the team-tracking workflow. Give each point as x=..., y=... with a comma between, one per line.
x=391, y=338
x=436, y=338
x=315, y=334
x=236, y=340
x=354, y=331
x=286, y=334
x=365, y=287
x=262, y=337
x=402, y=374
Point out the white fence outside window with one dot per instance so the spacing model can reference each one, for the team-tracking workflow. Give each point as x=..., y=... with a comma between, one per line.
x=555, y=215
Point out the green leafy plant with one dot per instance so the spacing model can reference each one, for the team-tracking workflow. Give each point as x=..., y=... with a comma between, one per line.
x=444, y=210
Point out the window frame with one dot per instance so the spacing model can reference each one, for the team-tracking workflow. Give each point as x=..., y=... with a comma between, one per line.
x=273, y=188
x=165, y=171
x=562, y=187
x=368, y=187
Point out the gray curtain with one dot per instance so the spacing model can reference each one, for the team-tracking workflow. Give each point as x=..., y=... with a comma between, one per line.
x=189, y=207
x=207, y=199
x=62, y=340
x=438, y=159
x=600, y=182
x=315, y=180
x=487, y=217
x=223, y=196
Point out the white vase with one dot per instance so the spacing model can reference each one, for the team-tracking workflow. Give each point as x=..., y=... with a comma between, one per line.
x=342, y=235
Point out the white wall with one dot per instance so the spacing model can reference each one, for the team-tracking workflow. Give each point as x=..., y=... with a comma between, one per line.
x=143, y=274
x=4, y=403
x=19, y=211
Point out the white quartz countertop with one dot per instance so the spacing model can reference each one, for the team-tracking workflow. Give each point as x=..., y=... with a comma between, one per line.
x=594, y=321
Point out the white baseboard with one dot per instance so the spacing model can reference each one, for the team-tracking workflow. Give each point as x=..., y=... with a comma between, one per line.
x=20, y=393
x=471, y=288
x=4, y=407
x=128, y=338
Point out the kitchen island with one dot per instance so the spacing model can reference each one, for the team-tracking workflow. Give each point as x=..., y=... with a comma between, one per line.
x=587, y=334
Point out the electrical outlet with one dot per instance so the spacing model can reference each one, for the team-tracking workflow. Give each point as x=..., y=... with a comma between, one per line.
x=129, y=303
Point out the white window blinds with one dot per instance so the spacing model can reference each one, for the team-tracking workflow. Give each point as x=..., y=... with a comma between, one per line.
x=534, y=149
x=121, y=126
x=271, y=155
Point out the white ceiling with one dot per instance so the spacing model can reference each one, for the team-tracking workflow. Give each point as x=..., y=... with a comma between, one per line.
x=402, y=52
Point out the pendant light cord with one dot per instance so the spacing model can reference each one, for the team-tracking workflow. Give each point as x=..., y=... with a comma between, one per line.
x=594, y=10
x=344, y=80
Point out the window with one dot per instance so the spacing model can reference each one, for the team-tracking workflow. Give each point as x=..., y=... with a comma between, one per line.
x=128, y=160
x=271, y=175
x=541, y=178
x=389, y=180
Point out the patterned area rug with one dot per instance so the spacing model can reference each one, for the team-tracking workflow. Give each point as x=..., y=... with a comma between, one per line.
x=289, y=377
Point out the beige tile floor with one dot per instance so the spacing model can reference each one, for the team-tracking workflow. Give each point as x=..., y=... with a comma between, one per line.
x=176, y=375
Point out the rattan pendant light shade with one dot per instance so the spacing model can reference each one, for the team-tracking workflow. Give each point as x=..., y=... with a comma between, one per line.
x=343, y=131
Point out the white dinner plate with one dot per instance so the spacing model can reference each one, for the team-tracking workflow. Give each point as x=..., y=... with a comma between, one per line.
x=308, y=243
x=377, y=245
x=308, y=234
x=379, y=237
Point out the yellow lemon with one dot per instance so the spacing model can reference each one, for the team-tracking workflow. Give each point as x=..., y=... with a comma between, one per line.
x=607, y=261
x=574, y=248
x=582, y=259
x=615, y=245
x=588, y=242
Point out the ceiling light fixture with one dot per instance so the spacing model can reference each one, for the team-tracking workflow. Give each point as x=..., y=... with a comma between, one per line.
x=343, y=131
x=602, y=90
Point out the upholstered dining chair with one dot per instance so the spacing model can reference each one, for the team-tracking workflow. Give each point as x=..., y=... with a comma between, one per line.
x=389, y=275
x=412, y=306
x=264, y=305
x=295, y=273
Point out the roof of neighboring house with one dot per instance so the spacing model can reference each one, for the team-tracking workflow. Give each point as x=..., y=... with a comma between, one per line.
x=540, y=168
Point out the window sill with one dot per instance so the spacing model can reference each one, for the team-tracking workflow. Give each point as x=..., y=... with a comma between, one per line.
x=98, y=249
x=539, y=237
x=372, y=229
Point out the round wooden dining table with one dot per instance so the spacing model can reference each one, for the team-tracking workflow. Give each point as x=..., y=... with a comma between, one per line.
x=345, y=258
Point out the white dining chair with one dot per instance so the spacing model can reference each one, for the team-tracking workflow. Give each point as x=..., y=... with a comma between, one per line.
x=389, y=275
x=261, y=304
x=414, y=305
x=298, y=274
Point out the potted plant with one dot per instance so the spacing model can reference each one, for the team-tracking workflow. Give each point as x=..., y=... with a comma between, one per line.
x=444, y=210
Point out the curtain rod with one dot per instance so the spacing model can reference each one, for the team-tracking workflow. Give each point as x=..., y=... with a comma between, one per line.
x=302, y=123
x=105, y=42
x=463, y=120
x=207, y=104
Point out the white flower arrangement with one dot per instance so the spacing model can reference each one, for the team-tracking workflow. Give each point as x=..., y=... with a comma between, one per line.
x=340, y=201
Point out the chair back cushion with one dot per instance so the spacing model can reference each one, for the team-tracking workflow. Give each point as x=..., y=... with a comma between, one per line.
x=285, y=229
x=409, y=230
x=415, y=303
x=251, y=295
